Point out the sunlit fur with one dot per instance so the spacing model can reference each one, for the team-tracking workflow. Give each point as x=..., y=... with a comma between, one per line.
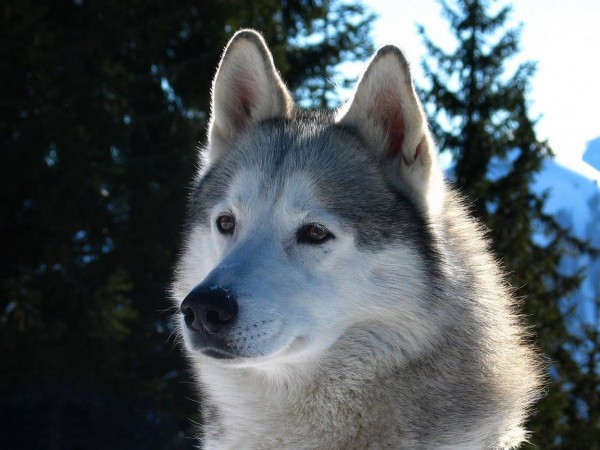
x=400, y=331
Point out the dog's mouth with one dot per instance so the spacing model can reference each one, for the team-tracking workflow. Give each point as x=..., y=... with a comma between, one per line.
x=213, y=347
x=217, y=353
x=227, y=353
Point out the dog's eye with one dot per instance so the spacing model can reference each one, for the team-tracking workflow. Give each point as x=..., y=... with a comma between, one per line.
x=313, y=233
x=226, y=224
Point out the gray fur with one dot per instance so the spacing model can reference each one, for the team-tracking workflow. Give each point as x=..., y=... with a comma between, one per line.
x=427, y=352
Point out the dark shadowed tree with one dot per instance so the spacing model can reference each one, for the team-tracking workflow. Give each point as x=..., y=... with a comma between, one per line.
x=102, y=106
x=482, y=118
x=584, y=403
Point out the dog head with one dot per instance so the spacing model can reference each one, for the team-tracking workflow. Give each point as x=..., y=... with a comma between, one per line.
x=306, y=225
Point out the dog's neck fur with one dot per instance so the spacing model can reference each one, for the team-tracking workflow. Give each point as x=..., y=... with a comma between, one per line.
x=281, y=411
x=340, y=403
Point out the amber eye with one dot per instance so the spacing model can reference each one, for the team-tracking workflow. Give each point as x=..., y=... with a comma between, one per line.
x=313, y=233
x=226, y=224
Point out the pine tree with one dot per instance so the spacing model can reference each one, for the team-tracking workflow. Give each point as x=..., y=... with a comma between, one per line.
x=102, y=108
x=482, y=118
x=584, y=404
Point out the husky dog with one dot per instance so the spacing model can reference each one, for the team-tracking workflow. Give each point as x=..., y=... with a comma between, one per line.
x=333, y=292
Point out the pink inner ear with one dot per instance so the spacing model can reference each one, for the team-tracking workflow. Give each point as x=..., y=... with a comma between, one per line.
x=389, y=107
x=240, y=109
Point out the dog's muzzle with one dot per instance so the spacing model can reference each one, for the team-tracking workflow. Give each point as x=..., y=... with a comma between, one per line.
x=209, y=314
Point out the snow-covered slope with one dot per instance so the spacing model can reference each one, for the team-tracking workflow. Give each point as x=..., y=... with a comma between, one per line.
x=592, y=153
x=570, y=194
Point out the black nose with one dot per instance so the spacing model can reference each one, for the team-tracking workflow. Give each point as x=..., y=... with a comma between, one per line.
x=209, y=310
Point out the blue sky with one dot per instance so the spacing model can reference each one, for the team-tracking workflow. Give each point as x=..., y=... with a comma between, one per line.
x=563, y=37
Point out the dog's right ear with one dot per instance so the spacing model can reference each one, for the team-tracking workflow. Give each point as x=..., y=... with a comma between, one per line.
x=246, y=90
x=388, y=114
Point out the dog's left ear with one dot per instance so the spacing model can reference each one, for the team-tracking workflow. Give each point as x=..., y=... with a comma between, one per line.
x=247, y=89
x=389, y=116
